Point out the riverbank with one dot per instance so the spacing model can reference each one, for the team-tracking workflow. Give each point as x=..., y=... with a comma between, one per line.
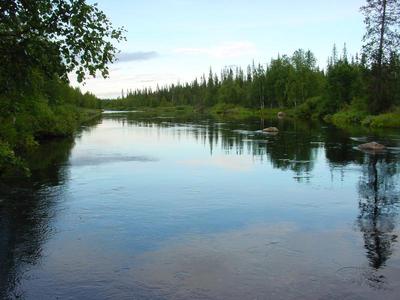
x=346, y=118
x=220, y=111
x=23, y=132
x=343, y=118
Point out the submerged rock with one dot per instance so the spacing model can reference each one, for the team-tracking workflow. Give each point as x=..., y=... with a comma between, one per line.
x=271, y=129
x=372, y=146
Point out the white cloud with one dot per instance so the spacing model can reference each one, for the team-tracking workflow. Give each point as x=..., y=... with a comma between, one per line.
x=123, y=79
x=234, y=49
x=136, y=56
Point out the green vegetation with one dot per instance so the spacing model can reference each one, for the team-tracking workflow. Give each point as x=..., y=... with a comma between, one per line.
x=41, y=43
x=383, y=120
x=285, y=82
x=44, y=41
x=347, y=117
x=351, y=116
x=230, y=111
x=293, y=84
x=55, y=111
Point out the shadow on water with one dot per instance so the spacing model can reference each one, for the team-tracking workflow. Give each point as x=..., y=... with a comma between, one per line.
x=26, y=210
x=28, y=206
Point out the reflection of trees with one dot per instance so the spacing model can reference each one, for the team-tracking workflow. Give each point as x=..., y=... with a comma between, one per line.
x=291, y=149
x=295, y=148
x=339, y=148
x=26, y=210
x=379, y=198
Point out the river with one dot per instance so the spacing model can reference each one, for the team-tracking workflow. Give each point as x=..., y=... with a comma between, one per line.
x=165, y=208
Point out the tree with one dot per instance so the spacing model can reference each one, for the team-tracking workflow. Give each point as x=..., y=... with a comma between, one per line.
x=382, y=39
x=344, y=81
x=55, y=37
x=303, y=84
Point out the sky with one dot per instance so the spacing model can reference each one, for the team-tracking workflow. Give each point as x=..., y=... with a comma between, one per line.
x=174, y=41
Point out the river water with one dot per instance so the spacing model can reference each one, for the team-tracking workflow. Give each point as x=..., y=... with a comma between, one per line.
x=161, y=208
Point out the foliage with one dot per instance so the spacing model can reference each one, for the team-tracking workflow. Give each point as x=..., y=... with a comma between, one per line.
x=284, y=82
x=381, y=48
x=41, y=42
x=382, y=37
x=56, y=36
x=344, y=80
x=9, y=162
x=313, y=108
x=347, y=117
x=383, y=120
x=232, y=111
x=340, y=94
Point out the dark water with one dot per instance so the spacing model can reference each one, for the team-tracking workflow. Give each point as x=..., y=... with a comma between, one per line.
x=137, y=208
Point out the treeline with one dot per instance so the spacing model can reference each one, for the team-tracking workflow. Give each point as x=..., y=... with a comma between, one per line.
x=286, y=82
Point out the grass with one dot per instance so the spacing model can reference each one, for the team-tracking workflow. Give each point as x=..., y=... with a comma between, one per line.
x=350, y=117
x=347, y=117
x=235, y=112
x=386, y=120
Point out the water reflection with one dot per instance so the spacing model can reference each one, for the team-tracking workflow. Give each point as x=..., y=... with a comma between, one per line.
x=161, y=204
x=378, y=202
x=26, y=209
x=294, y=148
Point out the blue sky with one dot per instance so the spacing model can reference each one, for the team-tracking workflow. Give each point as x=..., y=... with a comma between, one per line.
x=178, y=40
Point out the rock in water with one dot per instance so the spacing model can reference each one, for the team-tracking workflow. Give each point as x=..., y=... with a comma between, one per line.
x=271, y=129
x=372, y=146
x=281, y=115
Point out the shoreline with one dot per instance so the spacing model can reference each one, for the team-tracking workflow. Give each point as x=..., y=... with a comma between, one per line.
x=341, y=119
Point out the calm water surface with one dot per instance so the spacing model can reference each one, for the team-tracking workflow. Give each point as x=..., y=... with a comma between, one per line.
x=139, y=208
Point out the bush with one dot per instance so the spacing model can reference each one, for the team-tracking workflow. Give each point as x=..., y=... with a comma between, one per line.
x=314, y=108
x=9, y=162
x=348, y=117
x=222, y=108
x=383, y=120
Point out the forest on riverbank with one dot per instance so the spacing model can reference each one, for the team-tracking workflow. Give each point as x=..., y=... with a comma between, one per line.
x=294, y=84
x=43, y=42
x=359, y=89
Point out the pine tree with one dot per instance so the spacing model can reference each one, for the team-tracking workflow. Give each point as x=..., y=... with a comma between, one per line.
x=382, y=39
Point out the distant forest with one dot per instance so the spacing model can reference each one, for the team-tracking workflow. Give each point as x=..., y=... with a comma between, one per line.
x=368, y=83
x=286, y=82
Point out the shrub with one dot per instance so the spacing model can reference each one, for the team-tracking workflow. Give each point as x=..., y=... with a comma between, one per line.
x=314, y=108
x=348, y=117
x=9, y=162
x=384, y=120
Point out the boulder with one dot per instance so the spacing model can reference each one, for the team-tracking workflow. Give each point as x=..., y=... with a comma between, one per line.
x=372, y=146
x=271, y=129
x=281, y=115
